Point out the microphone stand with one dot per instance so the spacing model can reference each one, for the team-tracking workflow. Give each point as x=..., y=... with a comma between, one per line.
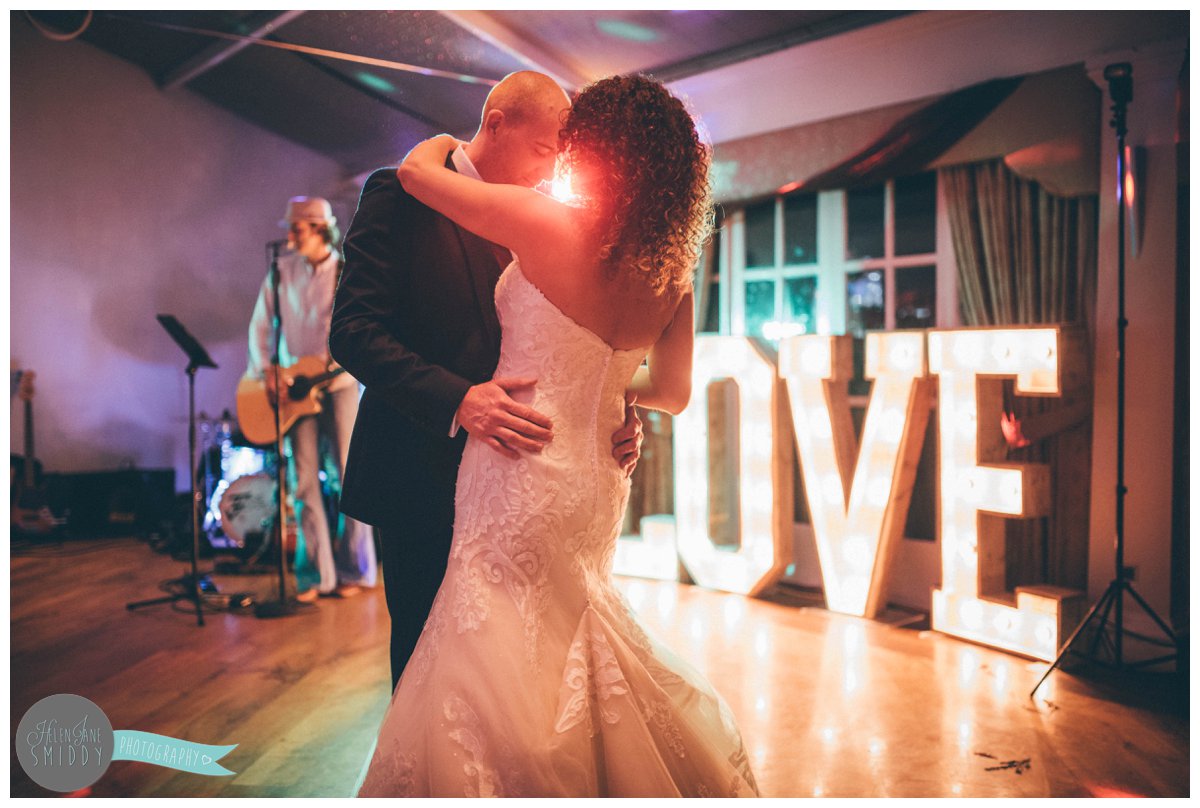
x=1120, y=89
x=287, y=604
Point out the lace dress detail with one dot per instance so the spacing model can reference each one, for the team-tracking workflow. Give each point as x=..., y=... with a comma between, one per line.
x=533, y=676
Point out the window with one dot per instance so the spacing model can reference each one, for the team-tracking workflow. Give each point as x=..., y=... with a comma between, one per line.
x=891, y=255
x=760, y=235
x=779, y=268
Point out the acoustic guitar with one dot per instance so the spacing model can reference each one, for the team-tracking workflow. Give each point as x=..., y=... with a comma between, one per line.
x=29, y=513
x=300, y=388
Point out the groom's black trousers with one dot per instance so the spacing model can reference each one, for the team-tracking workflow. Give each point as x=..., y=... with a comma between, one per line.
x=414, y=564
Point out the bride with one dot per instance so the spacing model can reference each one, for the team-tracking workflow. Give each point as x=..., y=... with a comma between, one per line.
x=532, y=676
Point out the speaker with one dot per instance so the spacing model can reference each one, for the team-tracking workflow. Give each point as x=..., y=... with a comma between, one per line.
x=107, y=503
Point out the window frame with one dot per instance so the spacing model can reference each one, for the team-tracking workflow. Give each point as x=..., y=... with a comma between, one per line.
x=832, y=266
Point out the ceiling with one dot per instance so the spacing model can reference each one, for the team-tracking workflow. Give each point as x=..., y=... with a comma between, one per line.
x=361, y=87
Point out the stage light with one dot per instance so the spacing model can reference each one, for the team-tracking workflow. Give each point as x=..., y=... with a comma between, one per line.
x=856, y=530
x=972, y=602
x=764, y=487
x=560, y=188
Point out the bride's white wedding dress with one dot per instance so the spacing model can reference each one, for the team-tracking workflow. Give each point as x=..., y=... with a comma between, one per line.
x=532, y=676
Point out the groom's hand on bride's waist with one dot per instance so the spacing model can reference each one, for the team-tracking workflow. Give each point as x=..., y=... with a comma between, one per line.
x=489, y=412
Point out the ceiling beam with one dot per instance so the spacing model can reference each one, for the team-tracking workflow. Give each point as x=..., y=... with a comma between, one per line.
x=219, y=51
x=535, y=55
x=837, y=24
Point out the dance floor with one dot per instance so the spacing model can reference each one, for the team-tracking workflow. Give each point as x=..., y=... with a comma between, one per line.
x=828, y=705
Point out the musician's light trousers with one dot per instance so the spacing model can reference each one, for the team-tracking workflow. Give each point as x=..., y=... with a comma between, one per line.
x=351, y=558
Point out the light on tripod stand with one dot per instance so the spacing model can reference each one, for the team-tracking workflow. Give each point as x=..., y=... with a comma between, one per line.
x=1133, y=182
x=1112, y=603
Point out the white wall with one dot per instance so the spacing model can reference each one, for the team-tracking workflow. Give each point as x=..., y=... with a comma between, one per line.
x=126, y=202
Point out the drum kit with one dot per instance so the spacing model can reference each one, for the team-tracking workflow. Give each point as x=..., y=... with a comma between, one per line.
x=238, y=491
x=237, y=488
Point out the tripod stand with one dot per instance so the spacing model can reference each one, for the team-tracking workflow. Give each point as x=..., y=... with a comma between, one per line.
x=1112, y=602
x=197, y=358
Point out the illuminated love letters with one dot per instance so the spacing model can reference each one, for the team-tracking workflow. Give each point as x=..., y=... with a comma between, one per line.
x=858, y=495
x=764, y=481
x=973, y=602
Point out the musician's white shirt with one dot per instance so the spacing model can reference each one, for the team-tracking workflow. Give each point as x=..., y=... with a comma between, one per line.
x=306, y=300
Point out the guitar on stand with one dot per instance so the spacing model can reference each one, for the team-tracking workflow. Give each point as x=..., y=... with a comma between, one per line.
x=29, y=513
x=302, y=386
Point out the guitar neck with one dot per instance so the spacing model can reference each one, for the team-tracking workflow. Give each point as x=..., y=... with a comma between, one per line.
x=321, y=378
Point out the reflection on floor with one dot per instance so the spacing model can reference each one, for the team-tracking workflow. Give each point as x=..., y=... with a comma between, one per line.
x=828, y=705
x=838, y=706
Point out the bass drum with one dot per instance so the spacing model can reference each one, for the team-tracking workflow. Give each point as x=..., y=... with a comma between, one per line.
x=247, y=508
x=246, y=514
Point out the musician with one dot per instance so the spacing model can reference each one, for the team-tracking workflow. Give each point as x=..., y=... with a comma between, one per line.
x=308, y=275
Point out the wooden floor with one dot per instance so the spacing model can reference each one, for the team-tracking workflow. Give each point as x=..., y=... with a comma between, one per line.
x=829, y=705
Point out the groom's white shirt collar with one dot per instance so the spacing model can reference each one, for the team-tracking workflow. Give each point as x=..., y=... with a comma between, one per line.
x=463, y=164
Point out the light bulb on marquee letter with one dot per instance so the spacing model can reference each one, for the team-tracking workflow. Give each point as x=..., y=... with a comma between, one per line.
x=972, y=602
x=856, y=532
x=764, y=484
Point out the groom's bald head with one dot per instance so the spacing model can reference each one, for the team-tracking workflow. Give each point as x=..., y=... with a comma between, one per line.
x=518, y=131
x=526, y=96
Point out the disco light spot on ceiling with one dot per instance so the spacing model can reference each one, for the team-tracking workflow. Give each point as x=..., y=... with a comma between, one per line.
x=627, y=31
x=375, y=82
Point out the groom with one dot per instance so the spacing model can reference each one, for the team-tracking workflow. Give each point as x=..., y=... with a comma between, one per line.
x=414, y=320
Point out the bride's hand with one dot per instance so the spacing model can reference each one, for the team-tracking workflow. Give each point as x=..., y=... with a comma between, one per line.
x=627, y=441
x=431, y=152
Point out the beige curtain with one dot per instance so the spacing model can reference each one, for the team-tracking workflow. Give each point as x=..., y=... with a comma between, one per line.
x=1025, y=257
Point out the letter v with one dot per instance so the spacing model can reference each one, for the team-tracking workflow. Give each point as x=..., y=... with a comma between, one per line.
x=858, y=495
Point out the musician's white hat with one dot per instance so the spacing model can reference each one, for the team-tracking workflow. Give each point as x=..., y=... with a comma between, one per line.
x=308, y=209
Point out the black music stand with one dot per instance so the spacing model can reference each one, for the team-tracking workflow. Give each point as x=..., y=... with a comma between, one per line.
x=197, y=358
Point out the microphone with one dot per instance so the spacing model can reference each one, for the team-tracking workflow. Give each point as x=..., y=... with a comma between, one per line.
x=276, y=244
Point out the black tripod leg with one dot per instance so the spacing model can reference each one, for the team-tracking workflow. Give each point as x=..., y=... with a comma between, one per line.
x=1066, y=649
x=1146, y=607
x=195, y=598
x=153, y=602
x=1110, y=597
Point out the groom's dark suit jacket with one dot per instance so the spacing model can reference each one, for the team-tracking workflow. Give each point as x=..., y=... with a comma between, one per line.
x=414, y=320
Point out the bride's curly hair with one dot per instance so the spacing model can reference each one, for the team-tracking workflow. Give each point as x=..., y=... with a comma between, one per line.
x=636, y=160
